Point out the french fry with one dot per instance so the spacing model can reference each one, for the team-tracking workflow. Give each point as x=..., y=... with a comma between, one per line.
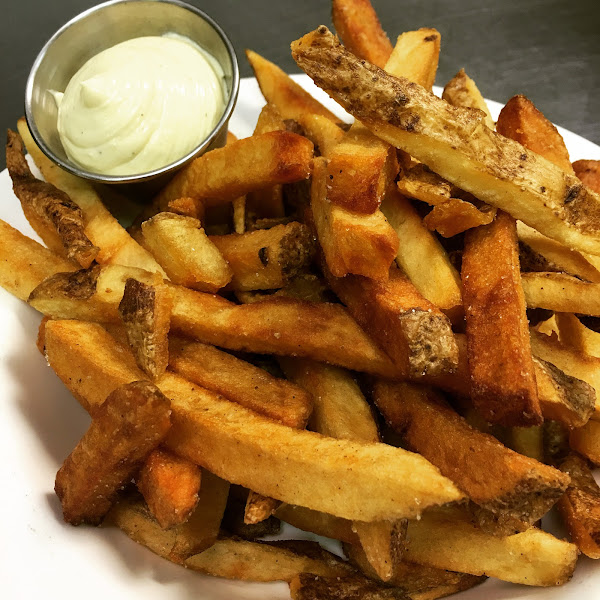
x=261, y=561
x=115, y=245
x=413, y=332
x=170, y=486
x=295, y=466
x=456, y=144
x=177, y=543
x=280, y=90
x=462, y=91
x=421, y=183
x=125, y=429
x=307, y=586
x=448, y=541
x=422, y=257
x=455, y=216
x=233, y=519
x=359, y=28
x=589, y=172
x=352, y=243
x=266, y=259
x=243, y=166
x=322, y=132
x=24, y=263
x=259, y=508
x=580, y=506
x=575, y=334
x=512, y=486
x=51, y=213
x=561, y=293
x=415, y=56
x=241, y=382
x=586, y=441
x=503, y=387
x=146, y=314
x=185, y=252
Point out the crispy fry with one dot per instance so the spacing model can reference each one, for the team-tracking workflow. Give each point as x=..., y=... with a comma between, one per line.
x=508, y=484
x=456, y=144
x=294, y=466
x=187, y=207
x=503, y=387
x=422, y=257
x=128, y=425
x=115, y=245
x=259, y=508
x=268, y=258
x=455, y=216
x=420, y=182
x=589, y=172
x=53, y=215
x=280, y=90
x=359, y=28
x=575, y=334
x=241, y=382
x=249, y=164
x=146, y=314
x=462, y=91
x=352, y=243
x=261, y=561
x=322, y=132
x=586, y=441
x=185, y=252
x=580, y=506
x=307, y=586
x=170, y=486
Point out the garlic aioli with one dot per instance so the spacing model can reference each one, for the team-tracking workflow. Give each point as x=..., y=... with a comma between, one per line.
x=140, y=105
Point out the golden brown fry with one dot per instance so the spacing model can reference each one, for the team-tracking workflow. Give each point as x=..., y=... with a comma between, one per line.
x=185, y=252
x=359, y=28
x=456, y=144
x=146, y=314
x=352, y=243
x=317, y=522
x=280, y=90
x=413, y=332
x=503, y=387
x=307, y=586
x=187, y=207
x=415, y=56
x=462, y=91
x=322, y=132
x=262, y=561
x=294, y=466
x=521, y=121
x=420, y=182
x=51, y=213
x=455, y=216
x=586, y=441
x=259, y=508
x=24, y=263
x=249, y=164
x=268, y=258
x=129, y=424
x=575, y=334
x=241, y=382
x=170, y=487
x=511, y=486
x=580, y=506
x=589, y=172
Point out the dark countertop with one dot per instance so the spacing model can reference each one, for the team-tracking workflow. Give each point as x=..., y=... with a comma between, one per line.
x=548, y=50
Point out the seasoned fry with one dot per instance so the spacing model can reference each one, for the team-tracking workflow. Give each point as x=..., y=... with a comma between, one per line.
x=295, y=466
x=456, y=144
x=422, y=257
x=462, y=91
x=503, y=387
x=413, y=332
x=322, y=132
x=420, y=182
x=512, y=486
x=170, y=486
x=280, y=90
x=266, y=259
x=146, y=314
x=128, y=425
x=307, y=586
x=580, y=506
x=359, y=28
x=115, y=245
x=261, y=561
x=589, y=172
x=249, y=164
x=51, y=213
x=241, y=382
x=455, y=216
x=185, y=252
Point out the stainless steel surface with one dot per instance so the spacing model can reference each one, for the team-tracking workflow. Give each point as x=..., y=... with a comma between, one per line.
x=100, y=28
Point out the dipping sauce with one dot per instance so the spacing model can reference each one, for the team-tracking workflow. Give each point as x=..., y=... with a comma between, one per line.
x=140, y=105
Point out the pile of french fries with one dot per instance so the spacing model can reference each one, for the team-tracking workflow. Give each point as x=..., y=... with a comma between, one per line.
x=379, y=333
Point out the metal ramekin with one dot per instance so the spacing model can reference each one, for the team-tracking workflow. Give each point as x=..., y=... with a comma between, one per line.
x=99, y=28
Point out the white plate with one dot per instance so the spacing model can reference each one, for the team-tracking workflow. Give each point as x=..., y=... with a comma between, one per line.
x=40, y=422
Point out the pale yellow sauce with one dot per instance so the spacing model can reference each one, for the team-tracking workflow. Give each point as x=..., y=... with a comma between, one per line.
x=140, y=105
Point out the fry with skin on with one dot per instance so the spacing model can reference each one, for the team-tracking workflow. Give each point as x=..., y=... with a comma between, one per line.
x=170, y=486
x=129, y=424
x=421, y=183
x=455, y=216
x=53, y=215
x=589, y=172
x=461, y=90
